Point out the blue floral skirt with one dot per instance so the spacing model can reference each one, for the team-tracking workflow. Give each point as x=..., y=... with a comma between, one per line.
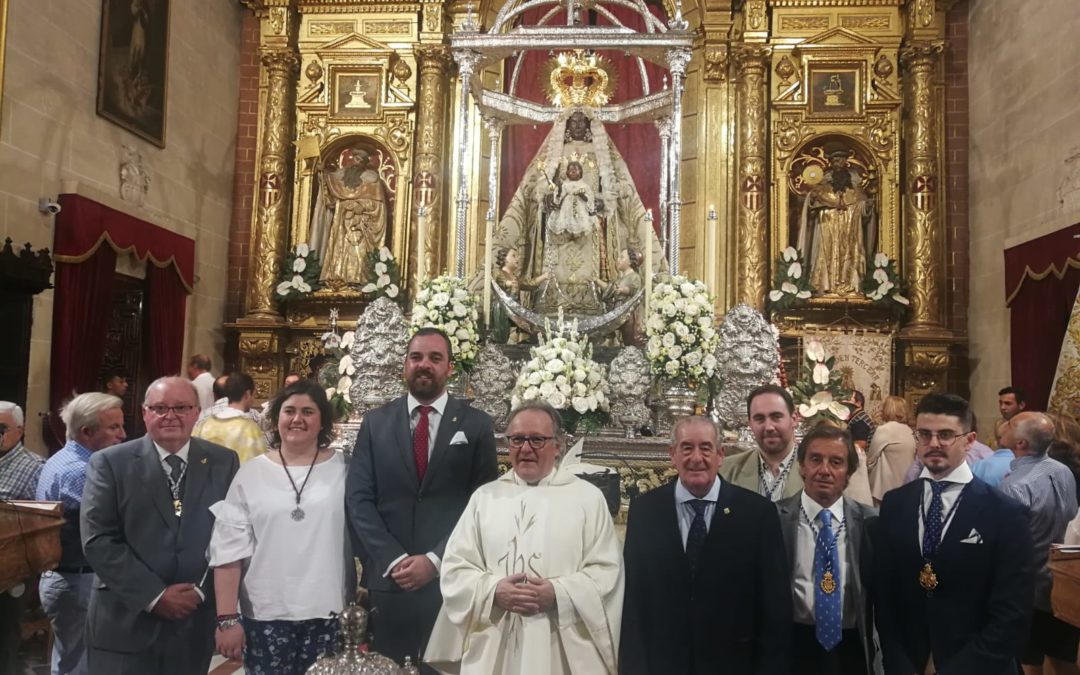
x=286, y=647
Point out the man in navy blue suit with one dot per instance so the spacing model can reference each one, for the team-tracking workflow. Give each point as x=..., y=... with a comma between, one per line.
x=956, y=560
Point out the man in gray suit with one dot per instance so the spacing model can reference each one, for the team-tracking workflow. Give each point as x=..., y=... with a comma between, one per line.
x=145, y=528
x=416, y=462
x=828, y=539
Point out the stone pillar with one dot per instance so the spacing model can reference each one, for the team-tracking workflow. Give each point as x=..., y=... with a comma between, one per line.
x=924, y=247
x=752, y=236
x=433, y=62
x=272, y=216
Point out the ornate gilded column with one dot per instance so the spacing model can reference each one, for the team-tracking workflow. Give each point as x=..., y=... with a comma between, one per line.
x=433, y=62
x=752, y=238
x=272, y=212
x=924, y=263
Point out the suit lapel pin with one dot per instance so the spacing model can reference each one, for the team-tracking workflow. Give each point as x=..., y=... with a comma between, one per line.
x=453, y=419
x=202, y=461
x=727, y=511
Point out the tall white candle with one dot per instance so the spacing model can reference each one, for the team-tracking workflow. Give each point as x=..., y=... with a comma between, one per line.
x=647, y=242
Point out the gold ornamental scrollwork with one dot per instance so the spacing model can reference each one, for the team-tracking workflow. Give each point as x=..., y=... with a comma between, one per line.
x=433, y=63
x=716, y=64
x=752, y=235
x=924, y=260
x=271, y=221
x=789, y=133
x=926, y=368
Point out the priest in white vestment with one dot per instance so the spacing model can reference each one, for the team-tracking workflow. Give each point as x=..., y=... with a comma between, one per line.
x=532, y=576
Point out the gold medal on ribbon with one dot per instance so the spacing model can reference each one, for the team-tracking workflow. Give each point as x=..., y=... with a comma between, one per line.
x=178, y=507
x=828, y=584
x=927, y=578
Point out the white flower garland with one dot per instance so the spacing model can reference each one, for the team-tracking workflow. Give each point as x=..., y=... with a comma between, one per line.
x=792, y=282
x=883, y=283
x=681, y=330
x=561, y=372
x=445, y=303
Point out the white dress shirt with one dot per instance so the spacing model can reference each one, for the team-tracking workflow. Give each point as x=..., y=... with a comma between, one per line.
x=959, y=478
x=434, y=418
x=803, y=568
x=685, y=510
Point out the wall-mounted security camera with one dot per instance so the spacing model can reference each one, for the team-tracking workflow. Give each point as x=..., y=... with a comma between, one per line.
x=48, y=206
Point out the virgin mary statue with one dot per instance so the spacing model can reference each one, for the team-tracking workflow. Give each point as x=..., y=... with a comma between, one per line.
x=574, y=212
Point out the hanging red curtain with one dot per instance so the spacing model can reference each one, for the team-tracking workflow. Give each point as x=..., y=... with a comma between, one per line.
x=1041, y=281
x=166, y=302
x=639, y=144
x=89, y=236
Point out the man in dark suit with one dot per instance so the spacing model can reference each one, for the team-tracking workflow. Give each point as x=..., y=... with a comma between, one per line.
x=707, y=587
x=955, y=560
x=146, y=524
x=830, y=552
x=416, y=462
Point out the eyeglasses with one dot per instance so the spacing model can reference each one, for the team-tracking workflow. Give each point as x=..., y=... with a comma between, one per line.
x=163, y=410
x=945, y=436
x=535, y=442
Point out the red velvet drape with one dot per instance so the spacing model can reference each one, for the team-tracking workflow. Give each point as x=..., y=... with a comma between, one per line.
x=1042, y=277
x=82, y=307
x=639, y=144
x=166, y=302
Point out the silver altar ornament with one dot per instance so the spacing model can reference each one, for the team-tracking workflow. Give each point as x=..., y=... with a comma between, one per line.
x=492, y=382
x=629, y=378
x=350, y=660
x=378, y=352
x=746, y=357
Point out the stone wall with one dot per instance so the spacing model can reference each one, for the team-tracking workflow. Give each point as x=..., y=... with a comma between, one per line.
x=51, y=140
x=1024, y=63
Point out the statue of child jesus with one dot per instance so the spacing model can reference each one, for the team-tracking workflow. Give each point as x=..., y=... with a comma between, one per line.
x=574, y=210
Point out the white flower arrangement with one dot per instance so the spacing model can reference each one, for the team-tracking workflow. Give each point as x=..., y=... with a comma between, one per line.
x=818, y=393
x=882, y=283
x=300, y=274
x=792, y=282
x=338, y=370
x=385, y=274
x=681, y=332
x=445, y=303
x=561, y=372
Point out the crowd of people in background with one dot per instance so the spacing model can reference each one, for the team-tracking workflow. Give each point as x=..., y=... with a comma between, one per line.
x=901, y=544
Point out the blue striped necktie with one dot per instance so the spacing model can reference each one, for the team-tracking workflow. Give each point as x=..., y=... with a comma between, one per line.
x=828, y=613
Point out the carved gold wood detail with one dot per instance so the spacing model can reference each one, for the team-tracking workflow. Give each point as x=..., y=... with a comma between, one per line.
x=751, y=233
x=328, y=28
x=926, y=366
x=866, y=21
x=924, y=13
x=260, y=357
x=755, y=15
x=272, y=212
x=433, y=62
x=794, y=23
x=924, y=236
x=387, y=27
x=278, y=16
x=432, y=17
x=716, y=63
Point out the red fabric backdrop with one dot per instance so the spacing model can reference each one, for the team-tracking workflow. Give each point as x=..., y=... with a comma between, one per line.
x=88, y=237
x=639, y=144
x=1041, y=281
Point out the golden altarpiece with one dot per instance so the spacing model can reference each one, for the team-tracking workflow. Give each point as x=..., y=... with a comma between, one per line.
x=360, y=102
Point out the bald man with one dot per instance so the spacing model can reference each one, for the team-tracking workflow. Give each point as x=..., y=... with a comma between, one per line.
x=1048, y=489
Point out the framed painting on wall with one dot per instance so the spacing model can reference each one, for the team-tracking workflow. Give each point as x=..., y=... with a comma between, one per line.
x=133, y=66
x=835, y=90
x=356, y=92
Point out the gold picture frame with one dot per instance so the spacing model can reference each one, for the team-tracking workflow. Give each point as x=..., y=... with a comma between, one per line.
x=836, y=90
x=356, y=92
x=133, y=66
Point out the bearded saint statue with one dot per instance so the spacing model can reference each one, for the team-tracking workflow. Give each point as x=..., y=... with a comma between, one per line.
x=577, y=161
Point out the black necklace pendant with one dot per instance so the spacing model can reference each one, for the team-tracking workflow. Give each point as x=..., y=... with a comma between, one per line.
x=297, y=514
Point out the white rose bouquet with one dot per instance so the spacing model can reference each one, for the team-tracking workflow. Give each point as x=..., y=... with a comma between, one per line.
x=818, y=394
x=791, y=285
x=883, y=285
x=681, y=331
x=561, y=372
x=385, y=276
x=445, y=303
x=300, y=273
x=337, y=372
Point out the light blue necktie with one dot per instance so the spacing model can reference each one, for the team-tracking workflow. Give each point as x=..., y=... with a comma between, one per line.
x=828, y=613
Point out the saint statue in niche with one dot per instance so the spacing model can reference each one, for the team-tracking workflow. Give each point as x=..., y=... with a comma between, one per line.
x=350, y=215
x=575, y=211
x=837, y=222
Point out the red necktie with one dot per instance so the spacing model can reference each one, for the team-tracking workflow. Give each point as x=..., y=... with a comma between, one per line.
x=420, y=441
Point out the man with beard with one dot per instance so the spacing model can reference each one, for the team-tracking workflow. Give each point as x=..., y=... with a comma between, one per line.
x=416, y=462
x=770, y=471
x=954, y=559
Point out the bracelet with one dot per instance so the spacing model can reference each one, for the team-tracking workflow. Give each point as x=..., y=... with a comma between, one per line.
x=228, y=621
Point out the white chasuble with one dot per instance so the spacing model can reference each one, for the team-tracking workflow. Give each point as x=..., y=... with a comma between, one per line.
x=559, y=530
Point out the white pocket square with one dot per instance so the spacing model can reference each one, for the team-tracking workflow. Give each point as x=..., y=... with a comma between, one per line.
x=973, y=538
x=459, y=439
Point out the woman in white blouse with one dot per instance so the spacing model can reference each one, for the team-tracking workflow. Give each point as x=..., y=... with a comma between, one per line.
x=280, y=544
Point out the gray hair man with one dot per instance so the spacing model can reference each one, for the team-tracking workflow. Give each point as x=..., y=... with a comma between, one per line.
x=94, y=422
x=536, y=554
x=1047, y=488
